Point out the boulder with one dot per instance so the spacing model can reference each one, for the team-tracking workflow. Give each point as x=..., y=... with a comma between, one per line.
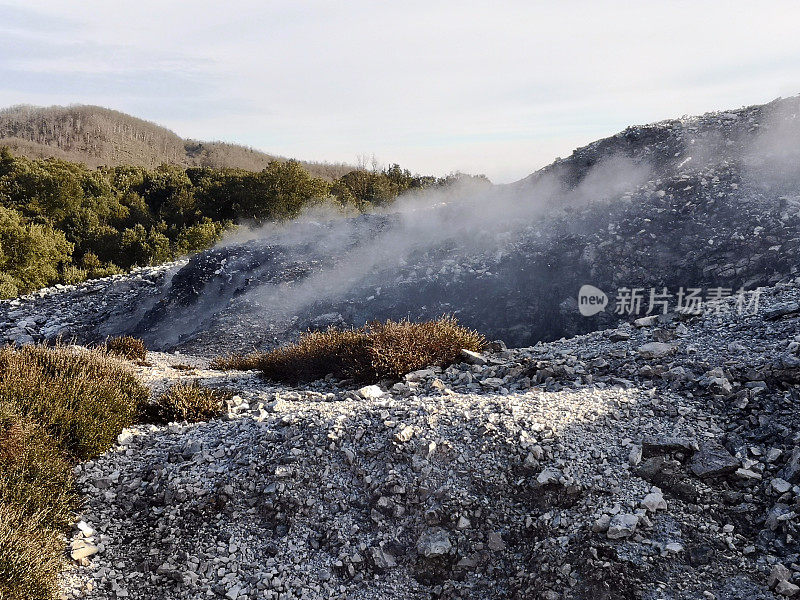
x=622, y=525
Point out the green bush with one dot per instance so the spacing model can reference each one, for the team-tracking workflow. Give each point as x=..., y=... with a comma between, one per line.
x=9, y=287
x=82, y=398
x=29, y=254
x=371, y=353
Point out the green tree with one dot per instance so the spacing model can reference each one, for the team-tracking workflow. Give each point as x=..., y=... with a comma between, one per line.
x=30, y=254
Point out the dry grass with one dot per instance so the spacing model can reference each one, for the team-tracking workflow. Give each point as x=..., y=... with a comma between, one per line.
x=187, y=402
x=57, y=405
x=371, y=353
x=127, y=347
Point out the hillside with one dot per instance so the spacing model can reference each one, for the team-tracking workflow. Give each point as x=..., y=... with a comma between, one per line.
x=624, y=212
x=98, y=136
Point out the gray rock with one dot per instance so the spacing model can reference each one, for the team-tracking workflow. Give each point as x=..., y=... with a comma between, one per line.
x=382, y=559
x=652, y=445
x=619, y=335
x=791, y=472
x=712, y=460
x=622, y=525
x=780, y=485
x=434, y=542
x=657, y=349
x=549, y=476
x=778, y=573
x=782, y=310
x=788, y=589
x=473, y=358
x=654, y=501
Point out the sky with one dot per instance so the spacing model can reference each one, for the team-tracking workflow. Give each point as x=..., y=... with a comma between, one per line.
x=500, y=88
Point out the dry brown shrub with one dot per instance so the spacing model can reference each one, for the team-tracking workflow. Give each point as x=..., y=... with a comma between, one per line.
x=57, y=405
x=34, y=473
x=397, y=348
x=31, y=555
x=127, y=346
x=238, y=362
x=370, y=353
x=187, y=402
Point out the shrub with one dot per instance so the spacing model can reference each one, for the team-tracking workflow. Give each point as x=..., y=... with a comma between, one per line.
x=9, y=287
x=72, y=275
x=126, y=346
x=29, y=253
x=31, y=554
x=373, y=352
x=56, y=405
x=342, y=352
x=187, y=402
x=398, y=348
x=36, y=476
x=82, y=398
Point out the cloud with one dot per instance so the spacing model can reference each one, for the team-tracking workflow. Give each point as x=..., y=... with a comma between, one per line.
x=436, y=86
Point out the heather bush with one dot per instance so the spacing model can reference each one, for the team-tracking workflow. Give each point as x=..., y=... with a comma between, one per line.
x=31, y=555
x=82, y=398
x=35, y=474
x=126, y=346
x=370, y=353
x=186, y=402
x=57, y=405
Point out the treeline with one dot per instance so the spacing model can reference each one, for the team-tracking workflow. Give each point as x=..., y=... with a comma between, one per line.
x=61, y=222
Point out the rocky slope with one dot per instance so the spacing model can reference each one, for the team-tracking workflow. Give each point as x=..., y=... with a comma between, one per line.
x=659, y=460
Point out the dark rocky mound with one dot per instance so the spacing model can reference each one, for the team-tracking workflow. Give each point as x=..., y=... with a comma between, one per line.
x=720, y=207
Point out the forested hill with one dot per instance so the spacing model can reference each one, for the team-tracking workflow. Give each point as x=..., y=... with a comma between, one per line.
x=99, y=136
x=62, y=222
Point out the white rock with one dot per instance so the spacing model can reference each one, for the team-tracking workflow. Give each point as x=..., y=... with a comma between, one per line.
x=371, y=392
x=85, y=529
x=473, y=358
x=84, y=552
x=405, y=434
x=654, y=501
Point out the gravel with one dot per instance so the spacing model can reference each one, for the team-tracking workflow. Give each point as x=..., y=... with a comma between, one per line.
x=585, y=470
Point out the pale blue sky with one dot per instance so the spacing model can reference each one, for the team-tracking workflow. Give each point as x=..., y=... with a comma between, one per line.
x=497, y=87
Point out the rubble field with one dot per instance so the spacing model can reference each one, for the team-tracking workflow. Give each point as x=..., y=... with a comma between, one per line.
x=659, y=460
